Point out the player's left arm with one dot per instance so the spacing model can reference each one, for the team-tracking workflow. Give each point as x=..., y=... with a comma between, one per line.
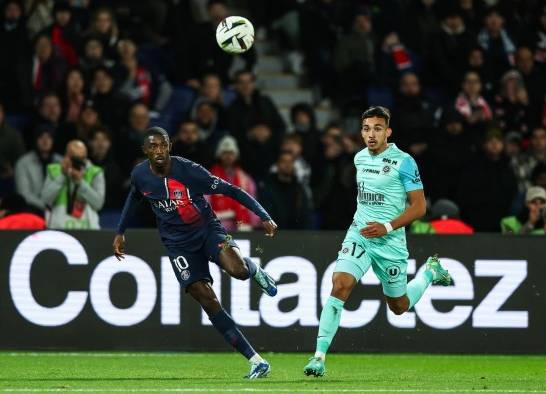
x=410, y=178
x=216, y=185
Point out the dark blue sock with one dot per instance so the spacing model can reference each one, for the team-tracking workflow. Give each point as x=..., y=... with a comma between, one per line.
x=225, y=324
x=252, y=268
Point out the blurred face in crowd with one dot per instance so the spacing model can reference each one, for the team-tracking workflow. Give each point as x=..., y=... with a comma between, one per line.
x=260, y=133
x=375, y=132
x=333, y=131
x=76, y=149
x=285, y=164
x=524, y=60
x=12, y=12
x=205, y=114
x=538, y=140
x=454, y=22
x=302, y=121
x=333, y=147
x=466, y=5
x=50, y=108
x=472, y=85
x=74, y=82
x=139, y=118
x=228, y=158
x=103, y=82
x=43, y=48
x=103, y=22
x=44, y=143
x=494, y=23
x=475, y=58
x=454, y=128
x=409, y=85
x=63, y=17
x=188, y=133
x=211, y=87
x=494, y=146
x=536, y=203
x=93, y=49
x=89, y=117
x=293, y=146
x=245, y=84
x=100, y=144
x=127, y=49
x=512, y=148
x=217, y=12
x=362, y=24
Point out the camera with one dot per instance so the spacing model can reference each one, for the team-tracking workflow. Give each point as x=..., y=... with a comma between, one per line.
x=77, y=163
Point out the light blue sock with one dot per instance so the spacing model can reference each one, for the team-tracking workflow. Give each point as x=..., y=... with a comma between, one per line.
x=329, y=322
x=417, y=287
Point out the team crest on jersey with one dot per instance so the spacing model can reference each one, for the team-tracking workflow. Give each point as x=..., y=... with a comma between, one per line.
x=345, y=250
x=177, y=194
x=185, y=274
x=386, y=169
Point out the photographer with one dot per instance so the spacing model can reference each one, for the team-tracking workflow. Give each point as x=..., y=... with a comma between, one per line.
x=74, y=190
x=533, y=217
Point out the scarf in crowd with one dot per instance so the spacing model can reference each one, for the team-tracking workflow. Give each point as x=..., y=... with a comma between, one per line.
x=466, y=108
x=509, y=47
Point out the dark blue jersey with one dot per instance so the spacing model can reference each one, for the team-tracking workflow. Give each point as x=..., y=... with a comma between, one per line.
x=182, y=213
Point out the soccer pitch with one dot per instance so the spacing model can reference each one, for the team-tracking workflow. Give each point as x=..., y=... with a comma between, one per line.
x=222, y=372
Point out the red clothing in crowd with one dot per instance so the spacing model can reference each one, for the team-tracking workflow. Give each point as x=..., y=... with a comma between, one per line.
x=22, y=221
x=451, y=226
x=230, y=212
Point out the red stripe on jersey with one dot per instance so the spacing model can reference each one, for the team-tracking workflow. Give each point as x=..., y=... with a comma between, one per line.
x=187, y=211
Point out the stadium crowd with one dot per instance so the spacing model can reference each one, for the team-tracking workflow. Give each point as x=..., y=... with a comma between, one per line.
x=82, y=80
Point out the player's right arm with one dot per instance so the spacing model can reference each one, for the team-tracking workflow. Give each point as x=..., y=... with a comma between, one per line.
x=131, y=203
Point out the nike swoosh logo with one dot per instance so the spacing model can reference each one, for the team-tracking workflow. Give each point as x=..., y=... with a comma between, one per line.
x=146, y=193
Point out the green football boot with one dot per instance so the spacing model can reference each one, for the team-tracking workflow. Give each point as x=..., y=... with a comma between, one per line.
x=440, y=276
x=315, y=367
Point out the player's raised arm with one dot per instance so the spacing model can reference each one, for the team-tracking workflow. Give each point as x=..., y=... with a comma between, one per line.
x=214, y=185
x=131, y=203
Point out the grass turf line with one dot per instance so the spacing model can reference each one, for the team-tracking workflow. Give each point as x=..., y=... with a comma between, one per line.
x=123, y=372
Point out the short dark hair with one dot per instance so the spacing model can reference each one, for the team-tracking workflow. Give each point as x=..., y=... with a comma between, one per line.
x=243, y=72
x=159, y=131
x=377, y=112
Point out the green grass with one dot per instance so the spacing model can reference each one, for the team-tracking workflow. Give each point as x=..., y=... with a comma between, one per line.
x=222, y=372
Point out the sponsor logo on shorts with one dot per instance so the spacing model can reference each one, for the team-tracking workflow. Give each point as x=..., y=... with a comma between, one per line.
x=393, y=271
x=185, y=274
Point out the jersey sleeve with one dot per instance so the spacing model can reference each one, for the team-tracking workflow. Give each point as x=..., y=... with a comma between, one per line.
x=131, y=203
x=409, y=175
x=210, y=184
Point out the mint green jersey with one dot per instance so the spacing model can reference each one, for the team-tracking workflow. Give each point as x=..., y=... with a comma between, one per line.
x=383, y=181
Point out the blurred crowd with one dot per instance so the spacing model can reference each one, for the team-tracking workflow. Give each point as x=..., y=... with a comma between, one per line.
x=81, y=81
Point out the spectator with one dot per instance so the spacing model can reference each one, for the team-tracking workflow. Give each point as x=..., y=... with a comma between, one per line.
x=39, y=15
x=93, y=57
x=476, y=63
x=334, y=186
x=14, y=215
x=47, y=68
x=497, y=44
x=15, y=86
x=284, y=197
x=535, y=83
x=210, y=90
x=353, y=58
x=111, y=106
x=420, y=24
x=187, y=143
x=488, y=186
x=472, y=12
x=472, y=106
x=513, y=151
x=258, y=151
x=395, y=59
x=87, y=121
x=31, y=168
x=136, y=82
x=449, y=51
x=101, y=155
x=232, y=214
x=63, y=33
x=304, y=125
x=536, y=154
x=12, y=145
x=130, y=140
x=104, y=26
x=445, y=219
x=414, y=120
x=73, y=95
x=532, y=219
x=210, y=125
x=512, y=104
x=74, y=190
x=251, y=107
x=538, y=175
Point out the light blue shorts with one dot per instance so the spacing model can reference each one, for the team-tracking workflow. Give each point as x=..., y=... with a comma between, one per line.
x=389, y=262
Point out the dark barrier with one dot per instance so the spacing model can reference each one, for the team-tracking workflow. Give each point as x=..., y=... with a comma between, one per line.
x=66, y=290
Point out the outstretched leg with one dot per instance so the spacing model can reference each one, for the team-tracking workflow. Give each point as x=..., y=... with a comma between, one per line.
x=203, y=293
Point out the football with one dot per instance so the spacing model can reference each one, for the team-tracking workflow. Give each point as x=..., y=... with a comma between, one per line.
x=235, y=34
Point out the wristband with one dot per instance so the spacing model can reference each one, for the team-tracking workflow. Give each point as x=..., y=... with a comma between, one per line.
x=388, y=226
